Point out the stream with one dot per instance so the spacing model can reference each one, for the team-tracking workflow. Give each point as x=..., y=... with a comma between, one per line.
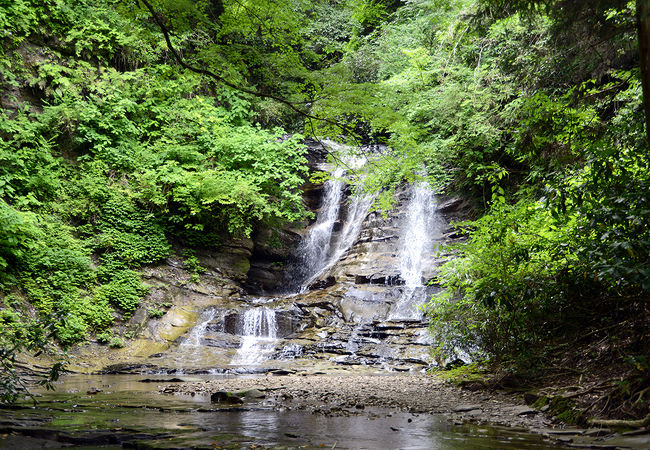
x=129, y=413
x=349, y=301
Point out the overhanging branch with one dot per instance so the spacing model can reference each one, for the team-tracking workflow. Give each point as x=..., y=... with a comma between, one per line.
x=176, y=55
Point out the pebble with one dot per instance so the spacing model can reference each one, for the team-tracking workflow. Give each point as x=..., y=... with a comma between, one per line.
x=346, y=394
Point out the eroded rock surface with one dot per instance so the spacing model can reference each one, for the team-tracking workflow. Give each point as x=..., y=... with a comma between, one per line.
x=344, y=316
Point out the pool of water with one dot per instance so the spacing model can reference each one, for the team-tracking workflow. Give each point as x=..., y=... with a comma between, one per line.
x=128, y=413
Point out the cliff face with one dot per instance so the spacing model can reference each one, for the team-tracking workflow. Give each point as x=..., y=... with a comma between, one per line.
x=344, y=317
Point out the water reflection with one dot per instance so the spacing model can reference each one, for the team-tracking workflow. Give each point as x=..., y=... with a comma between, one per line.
x=130, y=412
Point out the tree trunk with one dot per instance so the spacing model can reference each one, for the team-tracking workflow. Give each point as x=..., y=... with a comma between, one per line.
x=643, y=27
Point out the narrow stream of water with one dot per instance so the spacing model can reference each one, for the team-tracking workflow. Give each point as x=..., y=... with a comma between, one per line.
x=315, y=250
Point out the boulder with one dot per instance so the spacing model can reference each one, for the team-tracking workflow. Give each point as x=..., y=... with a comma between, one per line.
x=226, y=397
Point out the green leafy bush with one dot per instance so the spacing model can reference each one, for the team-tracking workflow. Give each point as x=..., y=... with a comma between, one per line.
x=123, y=290
x=131, y=235
x=20, y=335
x=114, y=154
x=104, y=337
x=155, y=313
x=507, y=283
x=116, y=342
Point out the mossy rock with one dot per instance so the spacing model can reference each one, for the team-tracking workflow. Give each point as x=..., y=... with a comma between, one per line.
x=226, y=397
x=564, y=409
x=541, y=402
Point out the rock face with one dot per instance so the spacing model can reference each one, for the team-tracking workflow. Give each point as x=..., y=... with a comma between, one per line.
x=350, y=313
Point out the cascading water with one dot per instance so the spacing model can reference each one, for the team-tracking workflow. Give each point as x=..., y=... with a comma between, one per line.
x=321, y=249
x=416, y=244
x=314, y=250
x=337, y=228
x=192, y=345
x=194, y=337
x=357, y=211
x=358, y=208
x=259, y=330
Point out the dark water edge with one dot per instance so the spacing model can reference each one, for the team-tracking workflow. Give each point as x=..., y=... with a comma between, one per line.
x=130, y=414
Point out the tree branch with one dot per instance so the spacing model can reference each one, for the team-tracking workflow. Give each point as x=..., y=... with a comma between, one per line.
x=621, y=423
x=175, y=53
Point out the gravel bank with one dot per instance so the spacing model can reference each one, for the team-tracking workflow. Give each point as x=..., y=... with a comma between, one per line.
x=352, y=394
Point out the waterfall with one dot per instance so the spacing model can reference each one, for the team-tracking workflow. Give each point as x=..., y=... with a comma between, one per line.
x=357, y=212
x=313, y=252
x=191, y=346
x=259, y=331
x=416, y=244
x=196, y=334
x=321, y=248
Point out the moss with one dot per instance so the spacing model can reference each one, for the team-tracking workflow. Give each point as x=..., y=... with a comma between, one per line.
x=462, y=375
x=242, y=266
x=564, y=409
x=540, y=402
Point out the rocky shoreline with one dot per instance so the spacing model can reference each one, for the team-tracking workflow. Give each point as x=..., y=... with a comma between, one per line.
x=350, y=394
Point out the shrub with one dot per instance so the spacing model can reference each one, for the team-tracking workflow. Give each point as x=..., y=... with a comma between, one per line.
x=104, y=337
x=116, y=342
x=123, y=290
x=155, y=313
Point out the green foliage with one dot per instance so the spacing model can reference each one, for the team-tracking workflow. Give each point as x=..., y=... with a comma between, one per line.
x=110, y=151
x=507, y=282
x=124, y=290
x=129, y=234
x=557, y=161
x=15, y=239
x=193, y=265
x=463, y=374
x=20, y=335
x=116, y=342
x=369, y=14
x=104, y=337
x=115, y=152
x=155, y=313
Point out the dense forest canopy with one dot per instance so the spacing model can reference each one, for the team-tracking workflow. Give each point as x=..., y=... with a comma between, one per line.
x=133, y=127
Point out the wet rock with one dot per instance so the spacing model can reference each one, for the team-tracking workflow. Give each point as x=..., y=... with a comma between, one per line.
x=322, y=284
x=523, y=410
x=531, y=397
x=125, y=368
x=254, y=394
x=451, y=205
x=225, y=397
x=597, y=432
x=93, y=391
x=233, y=259
x=454, y=364
x=159, y=380
x=466, y=408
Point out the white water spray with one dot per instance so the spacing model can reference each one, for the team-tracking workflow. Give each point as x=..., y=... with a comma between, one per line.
x=197, y=333
x=192, y=347
x=314, y=250
x=321, y=249
x=420, y=224
x=259, y=337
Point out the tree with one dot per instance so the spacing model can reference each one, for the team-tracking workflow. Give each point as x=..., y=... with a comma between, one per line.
x=570, y=12
x=643, y=26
